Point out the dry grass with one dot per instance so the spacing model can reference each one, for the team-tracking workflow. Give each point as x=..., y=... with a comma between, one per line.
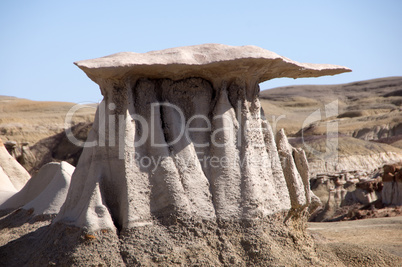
x=24, y=120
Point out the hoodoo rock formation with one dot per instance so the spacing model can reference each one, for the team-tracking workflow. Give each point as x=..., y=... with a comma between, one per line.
x=180, y=168
x=180, y=133
x=392, y=190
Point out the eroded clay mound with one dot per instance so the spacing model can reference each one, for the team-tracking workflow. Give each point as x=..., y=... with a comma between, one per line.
x=219, y=171
x=45, y=192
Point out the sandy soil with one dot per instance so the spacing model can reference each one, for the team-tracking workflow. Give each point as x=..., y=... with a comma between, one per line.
x=383, y=233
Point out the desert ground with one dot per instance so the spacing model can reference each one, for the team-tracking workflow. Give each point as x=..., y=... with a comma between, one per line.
x=383, y=233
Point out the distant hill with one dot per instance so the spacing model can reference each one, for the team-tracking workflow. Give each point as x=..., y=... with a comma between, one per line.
x=24, y=120
x=368, y=110
x=348, y=92
x=362, y=106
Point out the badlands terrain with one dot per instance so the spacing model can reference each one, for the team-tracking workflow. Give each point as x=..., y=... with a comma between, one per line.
x=368, y=120
x=348, y=131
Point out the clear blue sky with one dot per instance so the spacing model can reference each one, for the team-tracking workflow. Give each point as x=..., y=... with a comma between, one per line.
x=40, y=40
